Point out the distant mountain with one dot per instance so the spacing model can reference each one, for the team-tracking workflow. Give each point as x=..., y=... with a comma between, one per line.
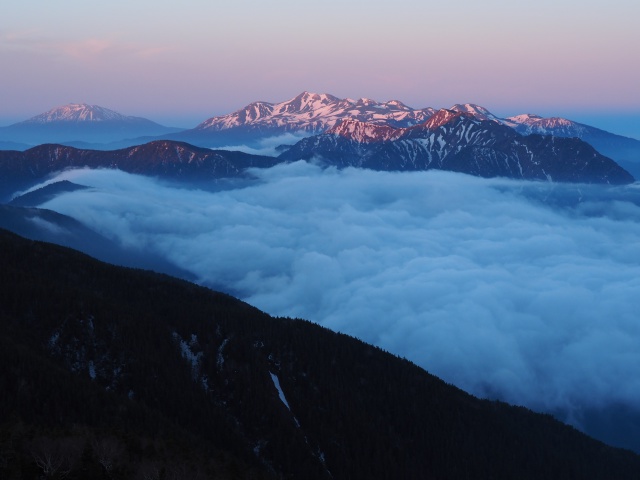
x=8, y=145
x=117, y=373
x=165, y=159
x=307, y=113
x=81, y=112
x=461, y=141
x=79, y=122
x=526, y=124
x=625, y=150
x=313, y=114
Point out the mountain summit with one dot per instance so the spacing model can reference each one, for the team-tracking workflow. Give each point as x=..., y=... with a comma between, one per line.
x=82, y=112
x=476, y=111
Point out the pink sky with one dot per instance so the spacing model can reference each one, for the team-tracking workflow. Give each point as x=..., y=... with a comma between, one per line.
x=179, y=63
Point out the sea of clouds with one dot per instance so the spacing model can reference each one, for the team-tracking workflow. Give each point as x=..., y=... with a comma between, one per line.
x=522, y=291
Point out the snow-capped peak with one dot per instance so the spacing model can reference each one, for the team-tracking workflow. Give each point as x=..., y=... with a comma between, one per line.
x=525, y=118
x=476, y=111
x=78, y=112
x=305, y=102
x=396, y=104
x=527, y=124
x=366, y=101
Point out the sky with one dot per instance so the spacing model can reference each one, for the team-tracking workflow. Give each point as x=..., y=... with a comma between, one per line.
x=508, y=289
x=179, y=63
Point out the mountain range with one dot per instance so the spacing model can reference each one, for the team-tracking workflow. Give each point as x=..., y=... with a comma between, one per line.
x=460, y=142
x=121, y=373
x=90, y=126
x=311, y=113
x=307, y=113
x=624, y=150
x=448, y=140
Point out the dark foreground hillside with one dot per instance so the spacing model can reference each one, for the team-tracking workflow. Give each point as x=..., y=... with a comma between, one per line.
x=116, y=373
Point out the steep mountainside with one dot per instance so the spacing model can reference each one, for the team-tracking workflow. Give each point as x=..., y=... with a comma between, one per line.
x=624, y=150
x=79, y=122
x=165, y=159
x=460, y=142
x=117, y=373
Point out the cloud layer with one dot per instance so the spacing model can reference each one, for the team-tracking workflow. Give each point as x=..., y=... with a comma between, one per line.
x=522, y=291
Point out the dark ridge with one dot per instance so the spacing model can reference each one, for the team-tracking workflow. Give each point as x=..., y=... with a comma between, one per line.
x=93, y=353
x=162, y=158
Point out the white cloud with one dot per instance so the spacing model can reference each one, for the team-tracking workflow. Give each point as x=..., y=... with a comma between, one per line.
x=48, y=226
x=481, y=282
x=267, y=146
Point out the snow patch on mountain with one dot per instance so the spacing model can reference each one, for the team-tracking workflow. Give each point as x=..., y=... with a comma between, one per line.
x=283, y=399
x=220, y=354
x=276, y=383
x=188, y=352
